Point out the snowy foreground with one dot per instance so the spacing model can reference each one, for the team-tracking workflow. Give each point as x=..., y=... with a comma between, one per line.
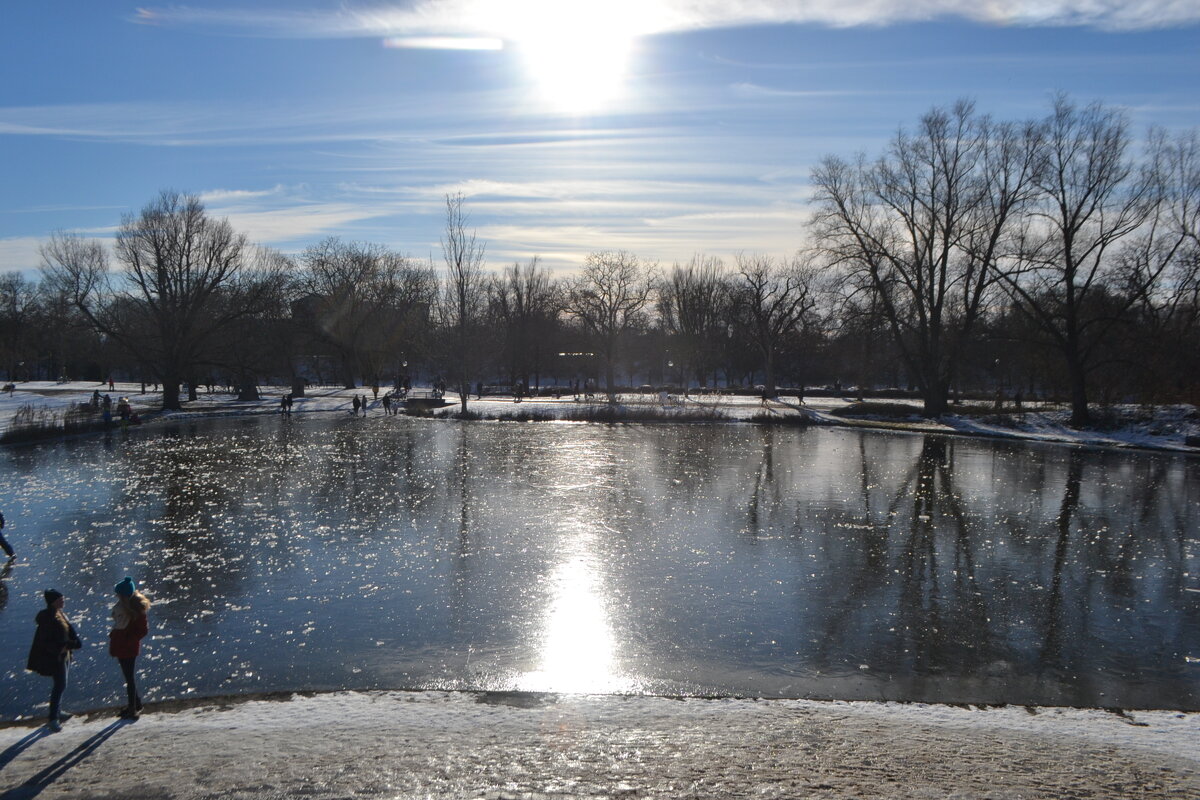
x=470, y=745
x=1163, y=428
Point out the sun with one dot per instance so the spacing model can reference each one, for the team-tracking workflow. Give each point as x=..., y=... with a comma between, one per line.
x=577, y=54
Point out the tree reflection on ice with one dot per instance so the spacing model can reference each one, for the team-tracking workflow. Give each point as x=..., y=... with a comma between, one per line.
x=676, y=559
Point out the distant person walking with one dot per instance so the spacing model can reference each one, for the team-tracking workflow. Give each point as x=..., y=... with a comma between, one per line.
x=50, y=653
x=356, y=405
x=130, y=626
x=4, y=545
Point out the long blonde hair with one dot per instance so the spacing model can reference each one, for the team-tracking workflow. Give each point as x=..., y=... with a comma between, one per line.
x=129, y=608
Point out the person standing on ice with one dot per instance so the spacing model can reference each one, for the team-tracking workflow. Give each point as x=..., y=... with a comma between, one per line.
x=355, y=404
x=4, y=545
x=130, y=626
x=50, y=653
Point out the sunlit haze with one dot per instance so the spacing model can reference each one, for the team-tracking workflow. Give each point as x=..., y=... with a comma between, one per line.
x=578, y=59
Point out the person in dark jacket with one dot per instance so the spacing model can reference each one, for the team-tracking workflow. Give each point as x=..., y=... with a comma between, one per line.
x=125, y=639
x=50, y=653
x=4, y=545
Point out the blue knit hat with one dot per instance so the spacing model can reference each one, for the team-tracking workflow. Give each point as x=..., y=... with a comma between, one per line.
x=125, y=588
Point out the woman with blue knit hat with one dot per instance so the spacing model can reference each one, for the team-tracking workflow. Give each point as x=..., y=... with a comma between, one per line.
x=125, y=639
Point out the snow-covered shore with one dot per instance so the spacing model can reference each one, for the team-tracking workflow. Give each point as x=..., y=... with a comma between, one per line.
x=1161, y=428
x=471, y=745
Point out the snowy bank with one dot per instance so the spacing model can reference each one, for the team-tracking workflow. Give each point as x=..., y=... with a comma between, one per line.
x=473, y=745
x=1159, y=428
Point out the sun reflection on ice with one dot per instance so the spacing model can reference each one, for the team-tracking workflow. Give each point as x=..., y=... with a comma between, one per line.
x=577, y=645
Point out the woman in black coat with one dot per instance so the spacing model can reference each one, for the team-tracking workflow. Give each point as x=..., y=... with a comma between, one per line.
x=50, y=653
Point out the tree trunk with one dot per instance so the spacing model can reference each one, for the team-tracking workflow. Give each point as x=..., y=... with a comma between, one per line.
x=248, y=390
x=934, y=401
x=170, y=394
x=769, y=376
x=1077, y=376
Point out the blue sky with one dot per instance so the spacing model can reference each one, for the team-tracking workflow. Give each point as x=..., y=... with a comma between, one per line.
x=665, y=127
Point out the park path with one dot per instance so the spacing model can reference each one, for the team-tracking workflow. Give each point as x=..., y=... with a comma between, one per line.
x=470, y=745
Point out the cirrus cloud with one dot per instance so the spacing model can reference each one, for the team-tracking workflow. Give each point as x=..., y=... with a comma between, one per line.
x=504, y=19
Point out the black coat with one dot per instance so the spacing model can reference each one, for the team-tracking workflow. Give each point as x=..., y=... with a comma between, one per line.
x=54, y=632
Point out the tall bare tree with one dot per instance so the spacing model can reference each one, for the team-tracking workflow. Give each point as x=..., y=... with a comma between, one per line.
x=1092, y=196
x=180, y=272
x=694, y=308
x=1160, y=268
x=772, y=301
x=362, y=301
x=251, y=345
x=922, y=228
x=524, y=301
x=606, y=298
x=18, y=306
x=463, y=294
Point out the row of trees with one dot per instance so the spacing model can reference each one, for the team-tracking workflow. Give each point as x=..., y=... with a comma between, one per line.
x=1054, y=219
x=1042, y=256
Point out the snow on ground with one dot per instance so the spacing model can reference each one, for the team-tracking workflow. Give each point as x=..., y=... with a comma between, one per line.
x=472, y=745
x=1163, y=427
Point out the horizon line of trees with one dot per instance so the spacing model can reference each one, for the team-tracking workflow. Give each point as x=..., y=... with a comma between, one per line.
x=1042, y=257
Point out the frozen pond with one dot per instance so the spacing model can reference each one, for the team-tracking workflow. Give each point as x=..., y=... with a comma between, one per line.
x=331, y=552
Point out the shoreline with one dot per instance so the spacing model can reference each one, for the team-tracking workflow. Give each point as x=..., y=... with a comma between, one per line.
x=1041, y=425
x=522, y=698
x=507, y=746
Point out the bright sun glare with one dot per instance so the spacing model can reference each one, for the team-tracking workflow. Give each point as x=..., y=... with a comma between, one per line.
x=577, y=53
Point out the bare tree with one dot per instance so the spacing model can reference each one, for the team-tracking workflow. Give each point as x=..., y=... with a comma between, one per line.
x=463, y=294
x=1092, y=196
x=250, y=345
x=18, y=306
x=771, y=302
x=606, y=298
x=179, y=269
x=1160, y=267
x=524, y=301
x=362, y=301
x=694, y=308
x=922, y=229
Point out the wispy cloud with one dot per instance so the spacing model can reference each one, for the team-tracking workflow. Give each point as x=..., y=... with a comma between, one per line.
x=20, y=253
x=558, y=220
x=756, y=90
x=173, y=124
x=225, y=197
x=296, y=222
x=504, y=18
x=444, y=42
x=60, y=208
